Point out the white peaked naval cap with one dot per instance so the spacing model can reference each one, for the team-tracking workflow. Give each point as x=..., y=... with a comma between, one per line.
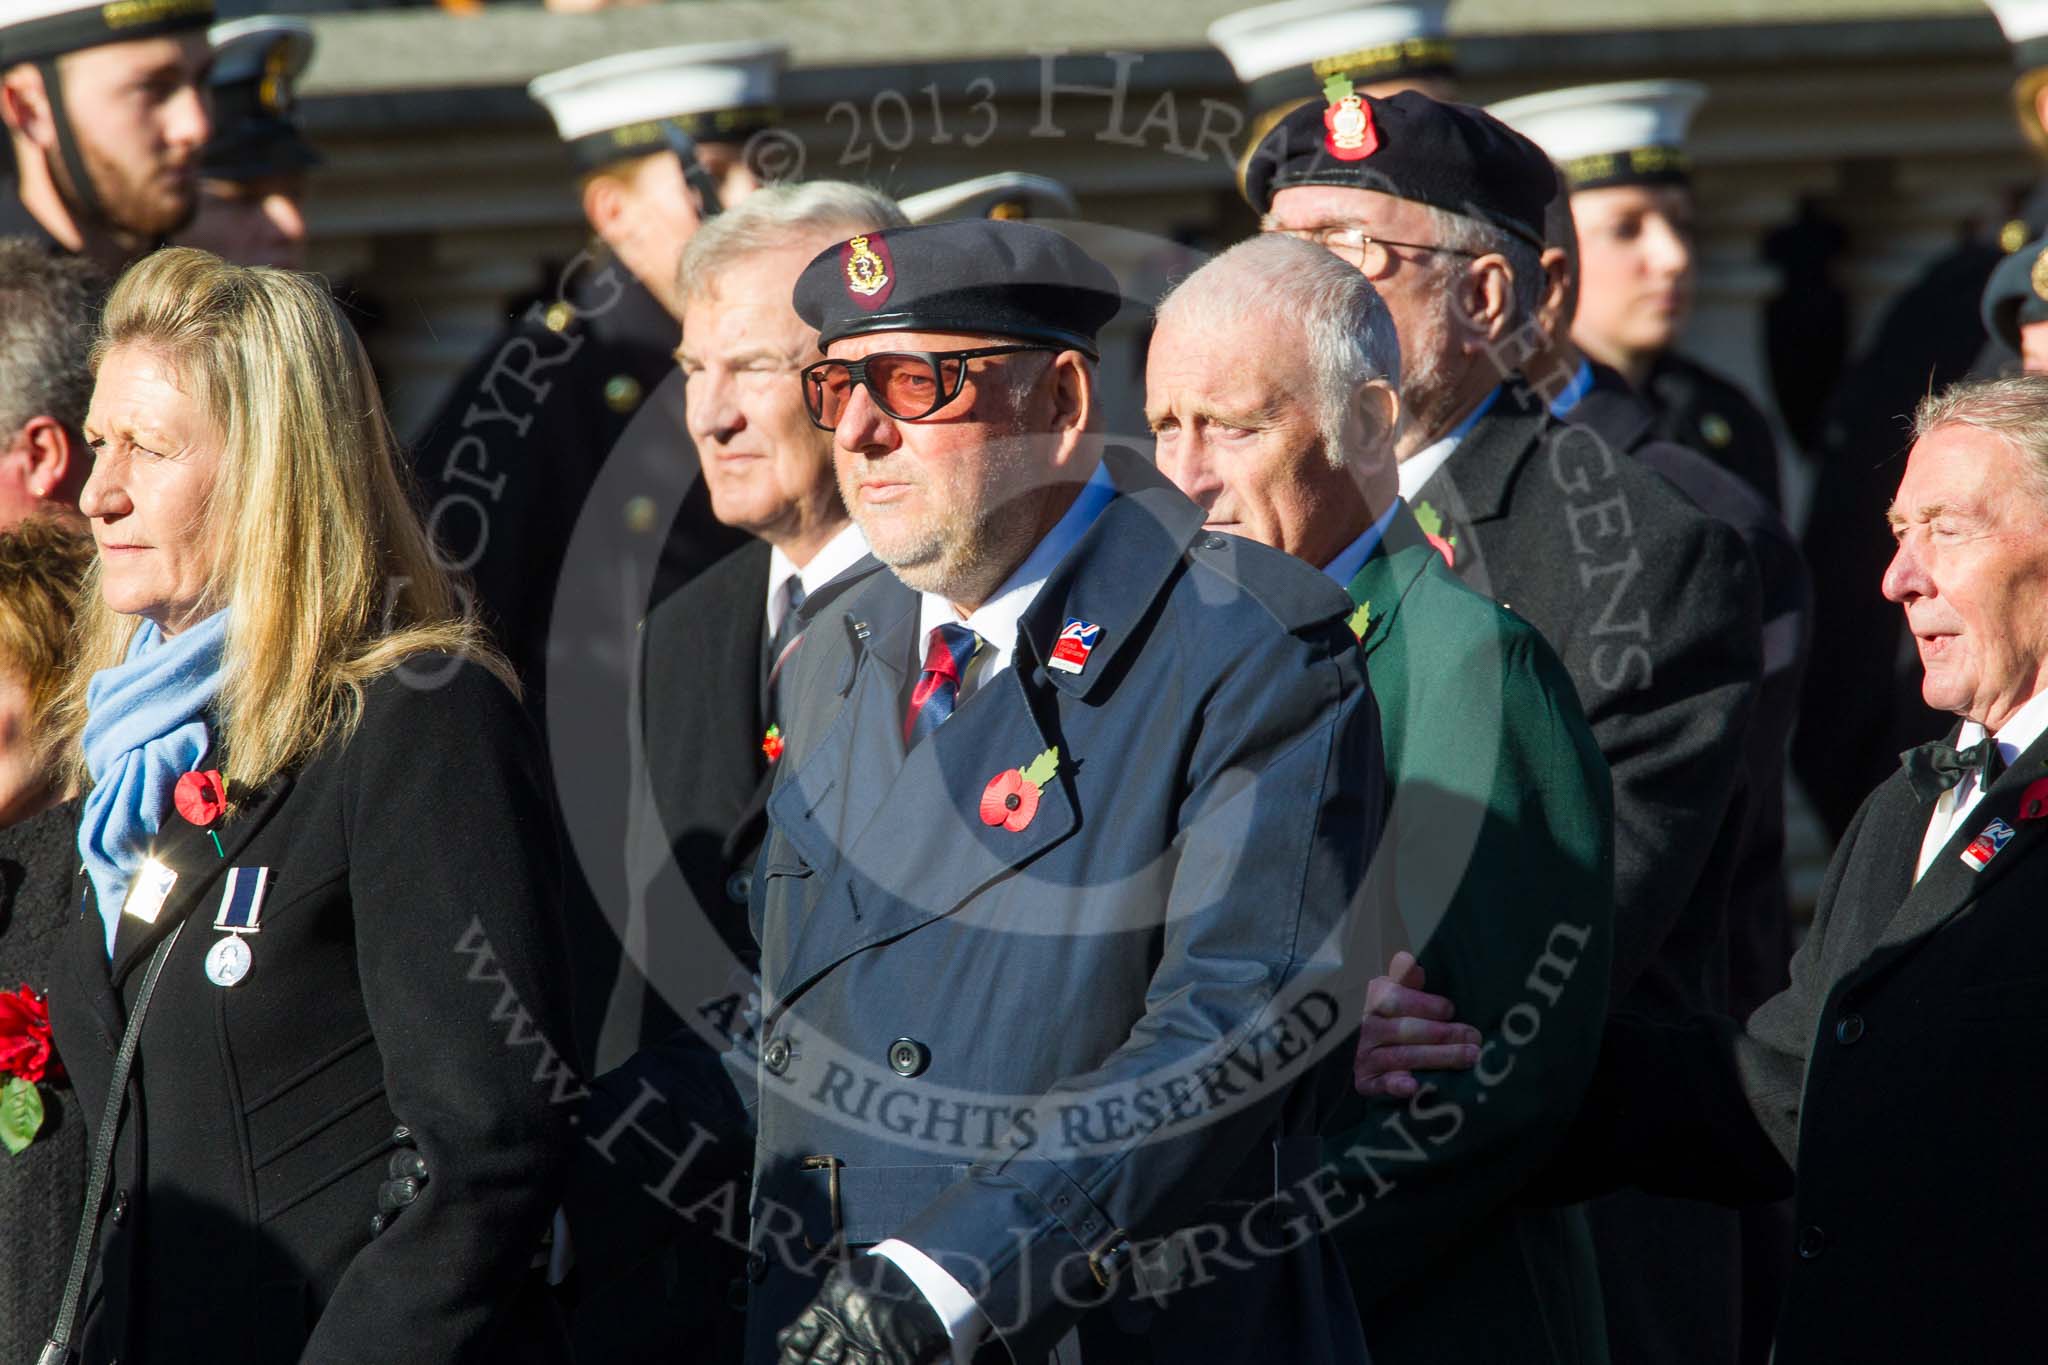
x=37, y=30
x=1006, y=194
x=617, y=107
x=1631, y=132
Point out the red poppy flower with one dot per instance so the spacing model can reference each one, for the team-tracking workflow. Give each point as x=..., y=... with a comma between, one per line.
x=201, y=798
x=25, y=1037
x=771, y=744
x=2034, y=800
x=1009, y=800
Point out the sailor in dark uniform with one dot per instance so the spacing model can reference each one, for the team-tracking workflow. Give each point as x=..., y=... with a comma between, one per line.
x=1622, y=150
x=559, y=475
x=2015, y=309
x=106, y=179
x=1862, y=705
x=252, y=189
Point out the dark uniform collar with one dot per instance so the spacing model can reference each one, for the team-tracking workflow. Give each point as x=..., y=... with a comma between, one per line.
x=1486, y=462
x=1111, y=576
x=17, y=221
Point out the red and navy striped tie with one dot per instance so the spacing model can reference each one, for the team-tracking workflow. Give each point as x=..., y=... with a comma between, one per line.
x=946, y=657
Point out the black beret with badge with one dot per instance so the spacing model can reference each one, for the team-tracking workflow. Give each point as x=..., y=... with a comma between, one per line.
x=981, y=276
x=1450, y=156
x=2017, y=294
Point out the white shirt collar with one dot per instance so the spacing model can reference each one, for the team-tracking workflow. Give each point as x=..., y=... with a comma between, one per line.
x=835, y=557
x=2018, y=734
x=995, y=620
x=1352, y=558
x=1415, y=471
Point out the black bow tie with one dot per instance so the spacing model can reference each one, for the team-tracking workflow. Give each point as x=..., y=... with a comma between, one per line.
x=1936, y=767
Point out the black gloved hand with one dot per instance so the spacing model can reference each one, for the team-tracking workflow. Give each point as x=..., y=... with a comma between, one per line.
x=868, y=1313
x=408, y=1171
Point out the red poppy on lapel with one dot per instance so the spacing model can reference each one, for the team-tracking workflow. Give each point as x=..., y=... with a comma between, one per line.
x=1432, y=523
x=771, y=745
x=2034, y=800
x=202, y=798
x=1011, y=797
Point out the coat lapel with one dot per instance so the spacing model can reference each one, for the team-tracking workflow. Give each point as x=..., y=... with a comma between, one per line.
x=187, y=850
x=1951, y=884
x=924, y=848
x=1383, y=582
x=915, y=844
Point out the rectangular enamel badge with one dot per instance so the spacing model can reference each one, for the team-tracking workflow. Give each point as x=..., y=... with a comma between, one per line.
x=148, y=892
x=1077, y=641
x=241, y=901
x=1985, y=846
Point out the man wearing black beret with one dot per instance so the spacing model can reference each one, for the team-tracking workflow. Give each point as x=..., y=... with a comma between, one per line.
x=1653, y=604
x=1054, y=901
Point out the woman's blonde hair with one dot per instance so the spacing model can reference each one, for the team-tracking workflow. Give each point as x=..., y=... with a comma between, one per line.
x=317, y=545
x=43, y=562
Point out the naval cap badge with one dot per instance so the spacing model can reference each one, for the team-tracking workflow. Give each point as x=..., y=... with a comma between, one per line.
x=869, y=270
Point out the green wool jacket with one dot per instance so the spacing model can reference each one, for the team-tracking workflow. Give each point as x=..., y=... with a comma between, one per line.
x=1497, y=868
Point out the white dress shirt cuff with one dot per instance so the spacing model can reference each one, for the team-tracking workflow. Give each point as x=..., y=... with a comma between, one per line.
x=956, y=1308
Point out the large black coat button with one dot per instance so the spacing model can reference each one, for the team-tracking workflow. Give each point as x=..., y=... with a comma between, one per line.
x=1812, y=1242
x=775, y=1056
x=739, y=886
x=1849, y=1028
x=908, y=1057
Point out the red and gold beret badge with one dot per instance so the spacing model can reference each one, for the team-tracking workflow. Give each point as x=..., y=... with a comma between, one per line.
x=870, y=272
x=1350, y=132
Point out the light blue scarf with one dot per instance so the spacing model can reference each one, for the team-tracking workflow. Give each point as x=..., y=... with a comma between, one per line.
x=144, y=729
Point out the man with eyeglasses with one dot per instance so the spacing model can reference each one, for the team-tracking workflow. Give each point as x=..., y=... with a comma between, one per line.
x=1054, y=902
x=1653, y=605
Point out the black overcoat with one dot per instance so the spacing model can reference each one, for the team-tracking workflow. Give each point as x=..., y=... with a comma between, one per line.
x=406, y=970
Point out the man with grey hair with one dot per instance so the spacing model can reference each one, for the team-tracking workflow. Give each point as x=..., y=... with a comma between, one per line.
x=1270, y=391
x=714, y=654
x=1886, y=1087
x=1652, y=604
x=46, y=327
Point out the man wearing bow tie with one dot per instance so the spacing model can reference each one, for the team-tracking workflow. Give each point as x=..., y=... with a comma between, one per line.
x=1891, y=1087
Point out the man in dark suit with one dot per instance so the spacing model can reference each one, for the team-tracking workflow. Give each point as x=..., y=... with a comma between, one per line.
x=1074, y=804
x=1498, y=858
x=1759, y=932
x=717, y=651
x=1652, y=604
x=1890, y=1061
x=559, y=475
x=714, y=655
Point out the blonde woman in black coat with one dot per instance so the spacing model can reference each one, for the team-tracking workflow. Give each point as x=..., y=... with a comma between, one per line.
x=314, y=811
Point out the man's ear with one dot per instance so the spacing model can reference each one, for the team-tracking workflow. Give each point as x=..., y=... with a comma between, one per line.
x=608, y=205
x=1553, y=315
x=1486, y=299
x=1375, y=415
x=1073, y=392
x=24, y=104
x=56, y=462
